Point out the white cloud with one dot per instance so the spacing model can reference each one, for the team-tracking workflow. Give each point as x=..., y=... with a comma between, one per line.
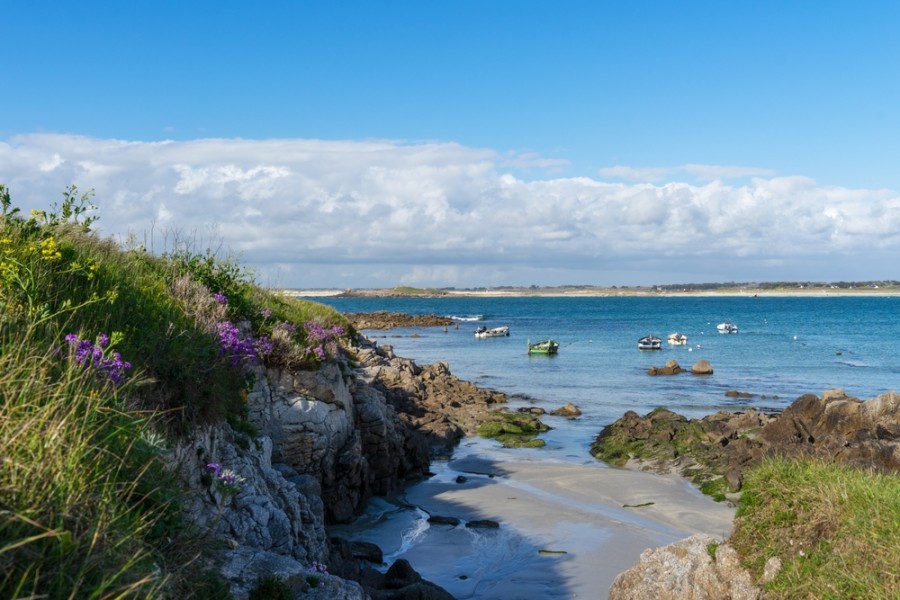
x=311, y=213
x=700, y=172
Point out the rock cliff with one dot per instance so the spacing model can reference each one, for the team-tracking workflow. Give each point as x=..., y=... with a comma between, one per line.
x=328, y=440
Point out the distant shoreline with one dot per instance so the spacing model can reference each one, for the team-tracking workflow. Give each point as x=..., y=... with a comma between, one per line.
x=590, y=293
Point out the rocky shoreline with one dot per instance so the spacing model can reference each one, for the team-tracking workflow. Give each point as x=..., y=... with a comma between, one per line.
x=713, y=452
x=330, y=440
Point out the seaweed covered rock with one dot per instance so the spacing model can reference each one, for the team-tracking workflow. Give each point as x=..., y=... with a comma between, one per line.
x=513, y=430
x=714, y=451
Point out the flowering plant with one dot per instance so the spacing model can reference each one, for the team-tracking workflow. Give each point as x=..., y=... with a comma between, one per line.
x=314, y=572
x=227, y=481
x=231, y=344
x=96, y=355
x=322, y=341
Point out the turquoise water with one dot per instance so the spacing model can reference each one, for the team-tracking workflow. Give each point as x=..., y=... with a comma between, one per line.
x=787, y=346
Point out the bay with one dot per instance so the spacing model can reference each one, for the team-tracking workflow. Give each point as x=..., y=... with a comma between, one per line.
x=787, y=346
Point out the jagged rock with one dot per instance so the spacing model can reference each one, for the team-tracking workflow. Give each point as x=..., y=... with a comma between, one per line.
x=702, y=367
x=269, y=513
x=402, y=582
x=719, y=447
x=428, y=399
x=328, y=442
x=686, y=571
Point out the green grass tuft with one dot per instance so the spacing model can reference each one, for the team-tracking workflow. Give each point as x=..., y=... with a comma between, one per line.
x=835, y=528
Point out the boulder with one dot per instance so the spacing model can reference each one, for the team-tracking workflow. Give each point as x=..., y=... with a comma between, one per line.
x=569, y=410
x=402, y=582
x=702, y=367
x=672, y=368
x=686, y=570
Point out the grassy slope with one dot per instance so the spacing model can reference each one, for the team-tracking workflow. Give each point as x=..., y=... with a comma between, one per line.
x=87, y=509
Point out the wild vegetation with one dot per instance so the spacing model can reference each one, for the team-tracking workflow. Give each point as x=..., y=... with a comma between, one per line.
x=834, y=527
x=106, y=355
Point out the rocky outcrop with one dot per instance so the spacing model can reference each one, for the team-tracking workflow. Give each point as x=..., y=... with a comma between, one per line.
x=389, y=320
x=671, y=368
x=697, y=568
x=268, y=512
x=430, y=400
x=715, y=450
x=328, y=440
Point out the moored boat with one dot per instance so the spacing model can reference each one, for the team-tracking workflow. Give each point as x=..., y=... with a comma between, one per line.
x=677, y=339
x=484, y=332
x=544, y=347
x=649, y=342
x=727, y=327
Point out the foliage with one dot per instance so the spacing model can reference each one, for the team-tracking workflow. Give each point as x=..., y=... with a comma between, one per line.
x=271, y=588
x=76, y=488
x=87, y=507
x=835, y=528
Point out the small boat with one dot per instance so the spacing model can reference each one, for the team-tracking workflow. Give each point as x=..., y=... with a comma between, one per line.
x=677, y=339
x=484, y=332
x=545, y=347
x=649, y=342
x=727, y=327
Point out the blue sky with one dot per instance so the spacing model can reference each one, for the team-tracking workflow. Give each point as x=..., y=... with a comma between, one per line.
x=470, y=143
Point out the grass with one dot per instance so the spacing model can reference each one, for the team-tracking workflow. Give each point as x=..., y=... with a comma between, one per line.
x=836, y=529
x=88, y=507
x=78, y=487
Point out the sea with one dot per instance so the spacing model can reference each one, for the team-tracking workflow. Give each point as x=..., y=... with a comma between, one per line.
x=787, y=346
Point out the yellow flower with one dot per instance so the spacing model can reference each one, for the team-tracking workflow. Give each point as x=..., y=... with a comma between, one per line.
x=49, y=251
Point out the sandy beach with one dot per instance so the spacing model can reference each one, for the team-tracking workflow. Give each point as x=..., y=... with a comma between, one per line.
x=565, y=530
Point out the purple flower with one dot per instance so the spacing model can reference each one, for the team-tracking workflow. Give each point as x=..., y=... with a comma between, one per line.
x=220, y=298
x=264, y=346
x=227, y=480
x=87, y=354
x=285, y=327
x=322, y=341
x=233, y=345
x=265, y=312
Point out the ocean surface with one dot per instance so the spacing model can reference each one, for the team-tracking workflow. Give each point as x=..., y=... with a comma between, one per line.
x=786, y=347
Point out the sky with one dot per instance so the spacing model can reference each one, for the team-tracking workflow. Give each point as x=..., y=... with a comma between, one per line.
x=469, y=143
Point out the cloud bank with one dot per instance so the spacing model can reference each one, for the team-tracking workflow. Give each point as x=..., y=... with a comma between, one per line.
x=377, y=213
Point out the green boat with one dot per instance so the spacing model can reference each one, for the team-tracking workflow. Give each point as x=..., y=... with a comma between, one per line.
x=545, y=347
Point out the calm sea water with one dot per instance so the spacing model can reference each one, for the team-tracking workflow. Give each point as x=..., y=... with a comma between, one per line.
x=787, y=346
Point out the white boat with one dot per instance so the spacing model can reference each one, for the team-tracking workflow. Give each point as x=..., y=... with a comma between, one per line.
x=649, y=342
x=677, y=339
x=727, y=327
x=484, y=332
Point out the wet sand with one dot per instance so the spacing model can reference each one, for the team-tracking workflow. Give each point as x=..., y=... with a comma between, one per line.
x=565, y=530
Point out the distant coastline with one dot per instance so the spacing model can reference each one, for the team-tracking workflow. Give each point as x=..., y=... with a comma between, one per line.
x=591, y=291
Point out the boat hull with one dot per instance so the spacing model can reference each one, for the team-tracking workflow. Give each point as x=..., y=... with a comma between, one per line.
x=545, y=347
x=650, y=343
